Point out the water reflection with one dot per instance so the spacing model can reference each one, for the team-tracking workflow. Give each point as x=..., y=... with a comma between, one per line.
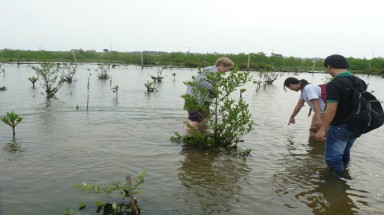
x=330, y=195
x=307, y=178
x=13, y=149
x=215, y=180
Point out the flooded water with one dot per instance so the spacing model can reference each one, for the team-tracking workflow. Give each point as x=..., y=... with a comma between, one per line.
x=58, y=146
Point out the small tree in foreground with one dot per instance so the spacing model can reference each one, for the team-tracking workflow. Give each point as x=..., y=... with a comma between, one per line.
x=228, y=119
x=49, y=74
x=12, y=119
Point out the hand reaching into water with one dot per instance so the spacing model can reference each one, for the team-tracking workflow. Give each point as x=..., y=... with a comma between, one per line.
x=291, y=120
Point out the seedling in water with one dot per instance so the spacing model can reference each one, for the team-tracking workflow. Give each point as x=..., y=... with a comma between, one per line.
x=12, y=119
x=151, y=86
x=33, y=80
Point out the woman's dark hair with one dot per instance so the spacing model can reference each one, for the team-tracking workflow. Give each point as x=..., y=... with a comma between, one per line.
x=336, y=61
x=293, y=80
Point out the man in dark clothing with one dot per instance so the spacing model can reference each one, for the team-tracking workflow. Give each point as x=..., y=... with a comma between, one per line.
x=339, y=139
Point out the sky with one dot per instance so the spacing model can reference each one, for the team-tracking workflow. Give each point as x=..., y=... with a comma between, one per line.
x=298, y=28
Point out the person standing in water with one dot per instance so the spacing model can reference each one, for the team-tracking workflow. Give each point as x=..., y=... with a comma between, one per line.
x=200, y=94
x=339, y=139
x=310, y=94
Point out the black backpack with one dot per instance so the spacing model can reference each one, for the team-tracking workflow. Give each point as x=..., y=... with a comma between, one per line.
x=367, y=113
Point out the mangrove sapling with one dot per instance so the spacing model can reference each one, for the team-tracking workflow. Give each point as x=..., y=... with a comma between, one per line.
x=174, y=75
x=49, y=76
x=103, y=70
x=12, y=119
x=115, y=89
x=116, y=190
x=68, y=71
x=3, y=88
x=151, y=86
x=158, y=77
x=228, y=119
x=258, y=84
x=269, y=77
x=33, y=80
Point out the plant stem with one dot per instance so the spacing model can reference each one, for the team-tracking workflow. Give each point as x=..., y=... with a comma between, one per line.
x=131, y=197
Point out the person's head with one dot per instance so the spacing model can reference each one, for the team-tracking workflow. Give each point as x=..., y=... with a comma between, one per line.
x=336, y=63
x=224, y=64
x=294, y=84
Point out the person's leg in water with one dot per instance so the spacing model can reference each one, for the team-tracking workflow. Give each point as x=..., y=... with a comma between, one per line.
x=198, y=119
x=337, y=148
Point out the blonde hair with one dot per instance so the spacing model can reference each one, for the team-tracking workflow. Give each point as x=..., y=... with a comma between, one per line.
x=226, y=62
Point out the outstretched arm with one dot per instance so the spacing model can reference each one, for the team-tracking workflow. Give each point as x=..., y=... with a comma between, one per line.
x=297, y=109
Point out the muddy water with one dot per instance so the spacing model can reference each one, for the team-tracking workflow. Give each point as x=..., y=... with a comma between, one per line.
x=58, y=146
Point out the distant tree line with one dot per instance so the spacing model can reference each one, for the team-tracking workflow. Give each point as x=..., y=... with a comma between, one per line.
x=252, y=61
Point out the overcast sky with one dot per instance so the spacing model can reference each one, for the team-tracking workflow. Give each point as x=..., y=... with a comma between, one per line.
x=299, y=28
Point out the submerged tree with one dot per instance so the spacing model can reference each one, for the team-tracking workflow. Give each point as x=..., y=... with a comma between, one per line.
x=49, y=74
x=12, y=119
x=103, y=71
x=268, y=77
x=151, y=86
x=158, y=77
x=228, y=119
x=68, y=71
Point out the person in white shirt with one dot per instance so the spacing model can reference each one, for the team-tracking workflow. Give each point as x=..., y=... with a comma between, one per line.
x=310, y=94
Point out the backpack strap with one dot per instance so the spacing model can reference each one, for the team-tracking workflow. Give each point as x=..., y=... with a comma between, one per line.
x=353, y=84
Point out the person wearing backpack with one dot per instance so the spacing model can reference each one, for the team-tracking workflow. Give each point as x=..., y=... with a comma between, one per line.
x=310, y=94
x=339, y=138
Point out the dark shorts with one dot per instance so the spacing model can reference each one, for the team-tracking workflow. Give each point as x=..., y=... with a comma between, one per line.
x=199, y=114
x=195, y=116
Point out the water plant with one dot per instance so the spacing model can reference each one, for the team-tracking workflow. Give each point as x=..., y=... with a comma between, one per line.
x=103, y=71
x=49, y=74
x=12, y=119
x=229, y=119
x=116, y=190
x=115, y=89
x=151, y=86
x=268, y=77
x=158, y=77
x=33, y=80
x=3, y=88
x=68, y=71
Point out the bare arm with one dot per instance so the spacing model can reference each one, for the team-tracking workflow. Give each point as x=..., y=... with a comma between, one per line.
x=330, y=113
x=297, y=109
